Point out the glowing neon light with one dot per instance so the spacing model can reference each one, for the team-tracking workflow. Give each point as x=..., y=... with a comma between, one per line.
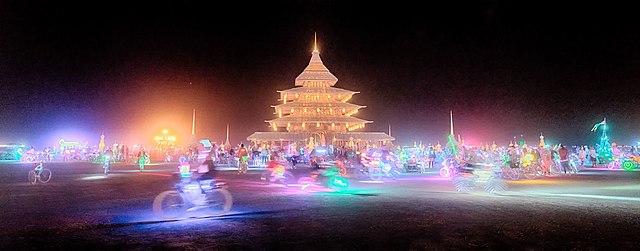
x=628, y=165
x=339, y=182
x=185, y=171
x=527, y=159
x=454, y=145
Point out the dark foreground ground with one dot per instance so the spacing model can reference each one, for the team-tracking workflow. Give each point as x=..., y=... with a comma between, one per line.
x=80, y=209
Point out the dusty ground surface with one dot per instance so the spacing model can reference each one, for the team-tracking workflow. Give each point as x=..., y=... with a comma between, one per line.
x=81, y=208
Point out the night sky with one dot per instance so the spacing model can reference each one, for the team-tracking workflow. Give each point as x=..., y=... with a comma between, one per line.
x=133, y=68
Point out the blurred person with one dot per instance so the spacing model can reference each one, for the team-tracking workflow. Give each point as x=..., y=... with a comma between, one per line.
x=582, y=154
x=546, y=159
x=592, y=157
x=207, y=169
x=563, y=153
x=142, y=158
x=243, y=157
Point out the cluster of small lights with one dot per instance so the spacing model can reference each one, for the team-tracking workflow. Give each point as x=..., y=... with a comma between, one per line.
x=355, y=127
x=351, y=112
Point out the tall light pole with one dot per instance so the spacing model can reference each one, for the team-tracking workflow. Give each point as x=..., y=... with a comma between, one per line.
x=165, y=134
x=193, y=124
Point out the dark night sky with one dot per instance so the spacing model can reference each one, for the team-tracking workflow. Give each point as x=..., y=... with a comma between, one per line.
x=74, y=69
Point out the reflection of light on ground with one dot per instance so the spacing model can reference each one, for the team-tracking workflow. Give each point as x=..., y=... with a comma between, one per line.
x=157, y=174
x=587, y=196
x=429, y=178
x=145, y=172
x=146, y=219
x=593, y=196
x=599, y=170
x=359, y=192
x=627, y=187
x=372, y=181
x=536, y=182
x=130, y=171
x=95, y=177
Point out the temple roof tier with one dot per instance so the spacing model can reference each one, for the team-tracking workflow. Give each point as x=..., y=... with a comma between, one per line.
x=316, y=72
x=367, y=136
x=290, y=105
x=317, y=119
x=318, y=90
x=275, y=136
x=302, y=136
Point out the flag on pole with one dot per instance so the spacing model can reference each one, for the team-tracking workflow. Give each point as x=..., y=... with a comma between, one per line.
x=595, y=127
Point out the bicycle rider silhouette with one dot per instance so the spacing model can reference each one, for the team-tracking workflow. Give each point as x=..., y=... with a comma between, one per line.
x=38, y=167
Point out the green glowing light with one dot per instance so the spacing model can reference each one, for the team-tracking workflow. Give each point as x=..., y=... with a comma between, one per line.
x=628, y=165
x=454, y=145
x=339, y=182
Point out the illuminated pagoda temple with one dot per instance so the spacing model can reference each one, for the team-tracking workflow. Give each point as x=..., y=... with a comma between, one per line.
x=315, y=112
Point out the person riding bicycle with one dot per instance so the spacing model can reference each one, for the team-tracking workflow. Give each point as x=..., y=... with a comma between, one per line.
x=207, y=169
x=204, y=176
x=273, y=162
x=108, y=155
x=514, y=157
x=243, y=156
x=563, y=153
x=38, y=167
x=142, y=158
x=275, y=168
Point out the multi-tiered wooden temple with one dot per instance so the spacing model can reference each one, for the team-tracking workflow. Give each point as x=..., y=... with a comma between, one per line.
x=317, y=113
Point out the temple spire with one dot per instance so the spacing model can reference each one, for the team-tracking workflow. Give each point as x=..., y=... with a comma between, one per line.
x=227, y=133
x=451, y=123
x=315, y=42
x=193, y=123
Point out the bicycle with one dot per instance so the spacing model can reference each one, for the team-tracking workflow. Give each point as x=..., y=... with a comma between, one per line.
x=324, y=178
x=105, y=165
x=242, y=165
x=489, y=178
x=277, y=174
x=39, y=173
x=191, y=196
x=143, y=160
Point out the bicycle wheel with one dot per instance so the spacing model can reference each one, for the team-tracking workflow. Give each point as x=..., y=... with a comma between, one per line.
x=45, y=176
x=343, y=171
x=513, y=174
x=360, y=174
x=495, y=185
x=375, y=173
x=554, y=169
x=444, y=172
x=529, y=173
x=266, y=176
x=219, y=201
x=306, y=182
x=573, y=169
x=464, y=185
x=288, y=178
x=169, y=205
x=539, y=171
x=33, y=179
